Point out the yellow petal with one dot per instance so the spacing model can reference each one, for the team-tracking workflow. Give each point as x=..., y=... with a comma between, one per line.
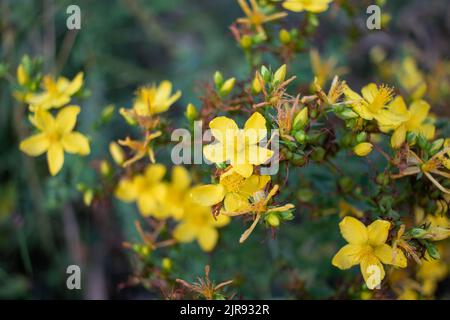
x=378, y=232
x=163, y=91
x=215, y=152
x=55, y=158
x=67, y=118
x=293, y=5
x=419, y=111
x=398, y=137
x=398, y=106
x=244, y=170
x=372, y=271
x=353, y=230
x=208, y=195
x=181, y=179
x=147, y=204
x=43, y=119
x=258, y=155
x=255, y=128
x=35, y=145
x=235, y=202
x=427, y=130
x=369, y=92
x=126, y=190
x=75, y=84
x=184, y=232
x=207, y=238
x=75, y=142
x=220, y=221
x=387, y=255
x=155, y=172
x=347, y=257
x=253, y=184
x=223, y=129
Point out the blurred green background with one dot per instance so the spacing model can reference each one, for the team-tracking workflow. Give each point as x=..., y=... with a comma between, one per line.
x=123, y=44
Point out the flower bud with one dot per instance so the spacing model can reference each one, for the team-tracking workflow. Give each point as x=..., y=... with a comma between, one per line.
x=117, y=153
x=226, y=88
x=166, y=264
x=105, y=168
x=22, y=77
x=361, y=137
x=418, y=233
x=432, y=251
x=284, y=36
x=256, y=85
x=88, y=196
x=246, y=42
x=191, y=112
x=280, y=74
x=218, y=79
x=265, y=73
x=436, y=146
x=272, y=219
x=301, y=119
x=301, y=137
x=363, y=149
x=437, y=233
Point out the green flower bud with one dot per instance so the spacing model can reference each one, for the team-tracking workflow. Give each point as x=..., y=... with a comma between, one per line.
x=226, y=88
x=280, y=74
x=418, y=233
x=301, y=137
x=301, y=119
x=218, y=79
x=272, y=219
x=246, y=42
x=284, y=36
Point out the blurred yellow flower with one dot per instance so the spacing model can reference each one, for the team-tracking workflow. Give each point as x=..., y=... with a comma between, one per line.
x=237, y=146
x=147, y=190
x=367, y=247
x=416, y=120
x=233, y=189
x=372, y=104
x=315, y=6
x=56, y=136
x=256, y=17
x=198, y=223
x=56, y=93
x=154, y=99
x=430, y=273
x=412, y=79
x=177, y=193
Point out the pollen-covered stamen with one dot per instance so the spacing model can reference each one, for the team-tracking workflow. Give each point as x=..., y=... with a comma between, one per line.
x=383, y=97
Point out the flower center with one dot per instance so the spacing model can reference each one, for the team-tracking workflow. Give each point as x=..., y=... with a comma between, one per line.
x=232, y=182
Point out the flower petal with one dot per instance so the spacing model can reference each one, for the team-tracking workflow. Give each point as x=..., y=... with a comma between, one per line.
x=223, y=129
x=75, y=84
x=255, y=128
x=221, y=220
x=215, y=152
x=398, y=137
x=347, y=257
x=369, y=92
x=67, y=118
x=155, y=172
x=208, y=195
x=388, y=255
x=258, y=155
x=75, y=142
x=181, y=179
x=353, y=230
x=378, y=232
x=55, y=158
x=372, y=271
x=126, y=190
x=235, y=202
x=419, y=111
x=184, y=232
x=244, y=170
x=35, y=145
x=207, y=238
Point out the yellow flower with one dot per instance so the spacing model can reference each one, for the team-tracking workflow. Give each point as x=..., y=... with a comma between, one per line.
x=315, y=6
x=177, y=193
x=147, y=190
x=140, y=148
x=56, y=136
x=415, y=120
x=372, y=104
x=198, y=223
x=56, y=93
x=430, y=273
x=256, y=17
x=363, y=149
x=22, y=76
x=238, y=147
x=367, y=247
x=233, y=189
x=152, y=100
x=412, y=79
